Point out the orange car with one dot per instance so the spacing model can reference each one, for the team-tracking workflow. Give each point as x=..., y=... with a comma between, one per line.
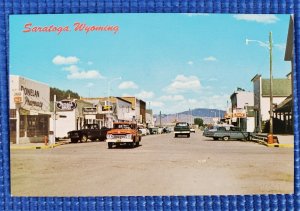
x=123, y=133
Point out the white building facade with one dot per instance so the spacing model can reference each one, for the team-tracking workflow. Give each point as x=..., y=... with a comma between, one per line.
x=29, y=110
x=241, y=101
x=281, y=90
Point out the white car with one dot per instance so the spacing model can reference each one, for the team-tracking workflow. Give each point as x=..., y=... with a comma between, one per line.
x=192, y=130
x=144, y=131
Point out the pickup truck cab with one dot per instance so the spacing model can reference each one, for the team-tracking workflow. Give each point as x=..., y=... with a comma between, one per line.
x=123, y=133
x=88, y=132
x=182, y=128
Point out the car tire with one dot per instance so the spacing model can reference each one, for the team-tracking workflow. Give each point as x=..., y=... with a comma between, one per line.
x=225, y=138
x=188, y=135
x=175, y=136
x=131, y=144
x=109, y=144
x=73, y=140
x=215, y=138
x=83, y=139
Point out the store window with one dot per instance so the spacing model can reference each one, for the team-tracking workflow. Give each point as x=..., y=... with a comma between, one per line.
x=34, y=125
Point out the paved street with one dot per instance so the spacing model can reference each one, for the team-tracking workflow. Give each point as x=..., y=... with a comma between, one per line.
x=162, y=165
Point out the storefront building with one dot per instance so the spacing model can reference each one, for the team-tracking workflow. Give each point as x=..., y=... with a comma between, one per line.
x=29, y=110
x=71, y=119
x=282, y=88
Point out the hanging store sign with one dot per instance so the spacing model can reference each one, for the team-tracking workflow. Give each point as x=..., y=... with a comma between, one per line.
x=66, y=105
x=239, y=115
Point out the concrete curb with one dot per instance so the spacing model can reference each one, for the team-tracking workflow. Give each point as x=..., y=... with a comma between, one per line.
x=272, y=145
x=51, y=146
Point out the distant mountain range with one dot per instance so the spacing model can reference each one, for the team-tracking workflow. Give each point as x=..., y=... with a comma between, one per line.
x=188, y=116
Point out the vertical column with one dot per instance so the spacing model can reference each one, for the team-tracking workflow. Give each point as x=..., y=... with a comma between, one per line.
x=17, y=124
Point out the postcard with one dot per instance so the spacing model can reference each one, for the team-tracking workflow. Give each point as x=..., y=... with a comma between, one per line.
x=151, y=104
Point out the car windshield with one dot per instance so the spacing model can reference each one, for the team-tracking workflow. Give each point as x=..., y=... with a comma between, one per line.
x=123, y=126
x=182, y=124
x=90, y=127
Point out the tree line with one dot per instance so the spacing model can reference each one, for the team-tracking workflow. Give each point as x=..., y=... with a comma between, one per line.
x=62, y=94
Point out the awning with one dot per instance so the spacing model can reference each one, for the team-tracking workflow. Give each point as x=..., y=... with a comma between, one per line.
x=286, y=105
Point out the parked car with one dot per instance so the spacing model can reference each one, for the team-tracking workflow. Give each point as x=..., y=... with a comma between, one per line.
x=209, y=132
x=192, y=130
x=123, y=133
x=232, y=133
x=153, y=130
x=144, y=131
x=88, y=132
x=182, y=128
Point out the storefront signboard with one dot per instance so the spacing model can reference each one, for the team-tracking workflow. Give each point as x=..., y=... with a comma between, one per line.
x=66, y=105
x=89, y=110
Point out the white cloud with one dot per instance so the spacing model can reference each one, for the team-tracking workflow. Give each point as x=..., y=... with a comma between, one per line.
x=89, y=74
x=190, y=63
x=156, y=104
x=183, y=83
x=76, y=73
x=171, y=98
x=210, y=59
x=128, y=85
x=145, y=95
x=61, y=60
x=90, y=85
x=72, y=68
x=267, y=19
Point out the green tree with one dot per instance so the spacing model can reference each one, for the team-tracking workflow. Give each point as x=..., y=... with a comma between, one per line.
x=198, y=121
x=61, y=94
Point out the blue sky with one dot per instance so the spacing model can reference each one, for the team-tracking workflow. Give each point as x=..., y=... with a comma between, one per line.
x=173, y=61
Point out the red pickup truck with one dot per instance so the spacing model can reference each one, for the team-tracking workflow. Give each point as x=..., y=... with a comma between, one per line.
x=123, y=133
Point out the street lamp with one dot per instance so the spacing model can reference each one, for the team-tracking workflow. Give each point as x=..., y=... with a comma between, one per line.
x=269, y=46
x=109, y=82
x=108, y=97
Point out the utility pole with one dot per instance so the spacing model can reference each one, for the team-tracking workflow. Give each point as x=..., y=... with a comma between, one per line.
x=270, y=136
x=54, y=120
x=160, y=118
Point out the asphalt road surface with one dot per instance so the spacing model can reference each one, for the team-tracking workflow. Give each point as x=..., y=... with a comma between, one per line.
x=162, y=165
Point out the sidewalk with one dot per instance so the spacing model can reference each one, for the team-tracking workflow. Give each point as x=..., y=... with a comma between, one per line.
x=37, y=145
x=284, y=140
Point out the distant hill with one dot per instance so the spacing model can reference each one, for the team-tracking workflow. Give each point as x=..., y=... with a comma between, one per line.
x=205, y=112
x=188, y=116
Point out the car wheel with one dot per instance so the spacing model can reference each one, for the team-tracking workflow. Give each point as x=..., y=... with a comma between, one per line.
x=225, y=138
x=175, y=136
x=215, y=138
x=73, y=140
x=84, y=138
x=131, y=144
x=188, y=135
x=109, y=144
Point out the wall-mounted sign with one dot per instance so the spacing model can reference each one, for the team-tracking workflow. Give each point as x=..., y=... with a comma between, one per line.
x=89, y=110
x=106, y=108
x=18, y=97
x=66, y=105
